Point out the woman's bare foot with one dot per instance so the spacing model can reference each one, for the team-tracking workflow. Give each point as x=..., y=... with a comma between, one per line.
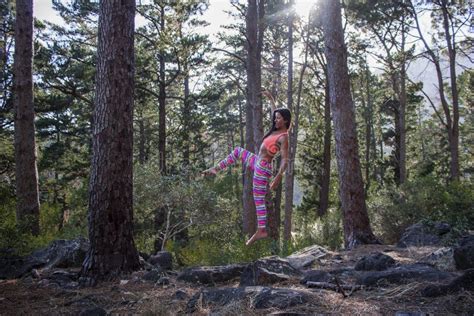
x=259, y=234
x=209, y=172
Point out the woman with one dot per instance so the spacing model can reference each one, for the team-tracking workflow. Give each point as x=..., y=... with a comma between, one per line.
x=274, y=141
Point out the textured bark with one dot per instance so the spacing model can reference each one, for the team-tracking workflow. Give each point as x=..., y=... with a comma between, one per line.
x=26, y=171
x=274, y=219
x=112, y=251
x=326, y=174
x=254, y=125
x=162, y=102
x=289, y=173
x=454, y=131
x=356, y=224
x=186, y=121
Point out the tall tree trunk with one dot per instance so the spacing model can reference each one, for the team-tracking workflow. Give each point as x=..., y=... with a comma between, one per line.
x=454, y=132
x=112, y=250
x=274, y=220
x=289, y=173
x=326, y=174
x=249, y=218
x=142, y=156
x=162, y=102
x=402, y=110
x=357, y=228
x=186, y=121
x=26, y=172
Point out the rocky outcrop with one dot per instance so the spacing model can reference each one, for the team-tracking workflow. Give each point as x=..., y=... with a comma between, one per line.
x=268, y=271
x=59, y=254
x=306, y=257
x=464, y=253
x=424, y=234
x=211, y=275
x=441, y=259
x=260, y=297
x=377, y=261
x=163, y=259
x=463, y=282
x=404, y=274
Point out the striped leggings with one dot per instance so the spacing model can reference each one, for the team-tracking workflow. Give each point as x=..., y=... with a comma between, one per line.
x=261, y=175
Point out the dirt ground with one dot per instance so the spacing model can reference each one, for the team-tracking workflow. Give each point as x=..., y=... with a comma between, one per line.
x=22, y=297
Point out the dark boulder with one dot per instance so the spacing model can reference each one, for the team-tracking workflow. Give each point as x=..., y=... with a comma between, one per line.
x=464, y=253
x=59, y=254
x=261, y=297
x=304, y=258
x=463, y=282
x=268, y=271
x=211, y=275
x=377, y=262
x=404, y=274
x=316, y=276
x=164, y=259
x=424, y=234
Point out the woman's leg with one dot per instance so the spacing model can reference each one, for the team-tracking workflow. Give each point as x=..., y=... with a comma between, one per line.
x=261, y=178
x=246, y=157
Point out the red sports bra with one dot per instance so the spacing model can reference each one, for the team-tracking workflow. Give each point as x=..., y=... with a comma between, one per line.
x=271, y=143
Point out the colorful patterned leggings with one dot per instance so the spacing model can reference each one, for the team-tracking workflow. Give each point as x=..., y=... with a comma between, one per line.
x=261, y=175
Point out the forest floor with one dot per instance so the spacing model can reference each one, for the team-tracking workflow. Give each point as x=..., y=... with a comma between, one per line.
x=18, y=297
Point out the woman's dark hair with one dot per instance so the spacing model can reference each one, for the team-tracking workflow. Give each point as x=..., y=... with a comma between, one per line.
x=286, y=116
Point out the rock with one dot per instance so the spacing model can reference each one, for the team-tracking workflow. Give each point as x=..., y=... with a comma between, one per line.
x=211, y=275
x=421, y=234
x=403, y=274
x=163, y=281
x=463, y=282
x=153, y=275
x=307, y=256
x=377, y=262
x=267, y=271
x=59, y=254
x=163, y=259
x=316, y=276
x=279, y=298
x=64, y=279
x=442, y=259
x=261, y=297
x=180, y=295
x=94, y=311
x=464, y=253
x=63, y=253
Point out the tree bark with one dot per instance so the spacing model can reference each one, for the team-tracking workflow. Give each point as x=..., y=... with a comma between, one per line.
x=289, y=173
x=112, y=251
x=356, y=224
x=162, y=102
x=251, y=126
x=326, y=174
x=186, y=121
x=454, y=132
x=26, y=172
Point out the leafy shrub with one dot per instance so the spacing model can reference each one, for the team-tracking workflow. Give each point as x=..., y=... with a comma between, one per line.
x=393, y=209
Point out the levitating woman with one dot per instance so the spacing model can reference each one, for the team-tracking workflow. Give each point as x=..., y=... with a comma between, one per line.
x=276, y=140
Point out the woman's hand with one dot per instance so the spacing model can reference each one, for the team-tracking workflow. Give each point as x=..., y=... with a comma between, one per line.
x=276, y=182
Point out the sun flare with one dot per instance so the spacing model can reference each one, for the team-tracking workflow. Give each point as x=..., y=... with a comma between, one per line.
x=303, y=7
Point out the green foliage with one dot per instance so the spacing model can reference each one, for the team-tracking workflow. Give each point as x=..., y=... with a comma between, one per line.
x=325, y=231
x=393, y=209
